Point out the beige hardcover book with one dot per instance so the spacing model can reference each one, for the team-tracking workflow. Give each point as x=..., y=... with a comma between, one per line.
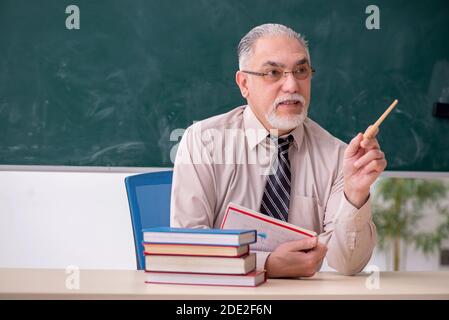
x=252, y=279
x=195, y=250
x=197, y=264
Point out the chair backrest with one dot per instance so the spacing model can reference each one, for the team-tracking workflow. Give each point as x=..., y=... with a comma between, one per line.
x=149, y=205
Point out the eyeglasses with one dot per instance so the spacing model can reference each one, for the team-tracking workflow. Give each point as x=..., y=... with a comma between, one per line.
x=275, y=74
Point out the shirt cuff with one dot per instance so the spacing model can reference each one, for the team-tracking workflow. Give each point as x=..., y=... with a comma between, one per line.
x=350, y=215
x=261, y=259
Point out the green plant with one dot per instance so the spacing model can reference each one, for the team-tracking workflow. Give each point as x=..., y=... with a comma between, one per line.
x=399, y=206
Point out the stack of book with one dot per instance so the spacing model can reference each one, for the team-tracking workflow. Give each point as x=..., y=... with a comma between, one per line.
x=201, y=256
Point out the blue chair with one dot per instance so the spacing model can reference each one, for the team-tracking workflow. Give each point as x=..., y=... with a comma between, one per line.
x=149, y=205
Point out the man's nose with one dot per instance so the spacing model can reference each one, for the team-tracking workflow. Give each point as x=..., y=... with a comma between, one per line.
x=290, y=84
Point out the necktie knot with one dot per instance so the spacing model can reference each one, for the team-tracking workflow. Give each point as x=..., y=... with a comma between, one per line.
x=282, y=143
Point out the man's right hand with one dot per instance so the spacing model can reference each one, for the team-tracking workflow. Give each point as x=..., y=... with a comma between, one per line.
x=300, y=258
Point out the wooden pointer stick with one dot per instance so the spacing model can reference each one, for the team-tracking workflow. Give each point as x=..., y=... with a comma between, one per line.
x=369, y=133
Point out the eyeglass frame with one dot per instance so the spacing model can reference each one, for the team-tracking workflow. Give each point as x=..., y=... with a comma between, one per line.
x=263, y=74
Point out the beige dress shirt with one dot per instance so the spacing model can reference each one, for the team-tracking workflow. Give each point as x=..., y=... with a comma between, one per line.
x=226, y=158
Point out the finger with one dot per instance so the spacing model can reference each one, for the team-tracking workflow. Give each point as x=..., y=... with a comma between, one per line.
x=371, y=155
x=319, y=251
x=299, y=245
x=360, y=153
x=317, y=254
x=368, y=157
x=369, y=144
x=375, y=166
x=353, y=146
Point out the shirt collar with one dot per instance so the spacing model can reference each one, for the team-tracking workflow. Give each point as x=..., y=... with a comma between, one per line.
x=256, y=133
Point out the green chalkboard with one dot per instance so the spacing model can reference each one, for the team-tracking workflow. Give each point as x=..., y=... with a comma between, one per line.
x=112, y=92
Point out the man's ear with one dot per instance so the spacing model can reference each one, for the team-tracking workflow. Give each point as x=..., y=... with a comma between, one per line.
x=242, y=82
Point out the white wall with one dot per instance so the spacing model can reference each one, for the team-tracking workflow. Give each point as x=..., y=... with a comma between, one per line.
x=55, y=219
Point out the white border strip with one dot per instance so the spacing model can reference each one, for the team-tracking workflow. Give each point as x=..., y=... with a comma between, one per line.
x=416, y=174
x=82, y=169
x=392, y=174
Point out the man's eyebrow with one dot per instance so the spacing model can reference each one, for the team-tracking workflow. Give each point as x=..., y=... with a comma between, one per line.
x=281, y=65
x=301, y=61
x=273, y=64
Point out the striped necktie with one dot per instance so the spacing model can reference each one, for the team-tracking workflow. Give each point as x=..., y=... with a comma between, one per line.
x=276, y=196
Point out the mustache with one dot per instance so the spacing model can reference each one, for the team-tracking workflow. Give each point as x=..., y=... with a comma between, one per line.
x=296, y=97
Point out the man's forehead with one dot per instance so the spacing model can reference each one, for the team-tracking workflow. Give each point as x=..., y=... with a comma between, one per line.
x=280, y=50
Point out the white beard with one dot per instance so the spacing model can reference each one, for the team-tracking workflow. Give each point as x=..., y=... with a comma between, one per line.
x=285, y=123
x=289, y=122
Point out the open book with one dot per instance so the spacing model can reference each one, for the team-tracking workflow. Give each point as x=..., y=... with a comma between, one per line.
x=271, y=232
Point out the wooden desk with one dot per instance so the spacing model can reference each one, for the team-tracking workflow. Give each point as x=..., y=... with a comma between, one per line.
x=118, y=284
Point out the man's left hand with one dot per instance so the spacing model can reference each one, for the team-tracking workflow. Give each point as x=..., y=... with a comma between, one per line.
x=363, y=163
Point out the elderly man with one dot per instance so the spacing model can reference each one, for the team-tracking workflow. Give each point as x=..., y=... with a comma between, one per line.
x=318, y=183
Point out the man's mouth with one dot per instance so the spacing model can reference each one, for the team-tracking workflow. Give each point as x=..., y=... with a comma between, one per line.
x=289, y=102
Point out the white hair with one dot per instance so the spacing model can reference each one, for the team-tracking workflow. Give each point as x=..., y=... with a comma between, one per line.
x=269, y=29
